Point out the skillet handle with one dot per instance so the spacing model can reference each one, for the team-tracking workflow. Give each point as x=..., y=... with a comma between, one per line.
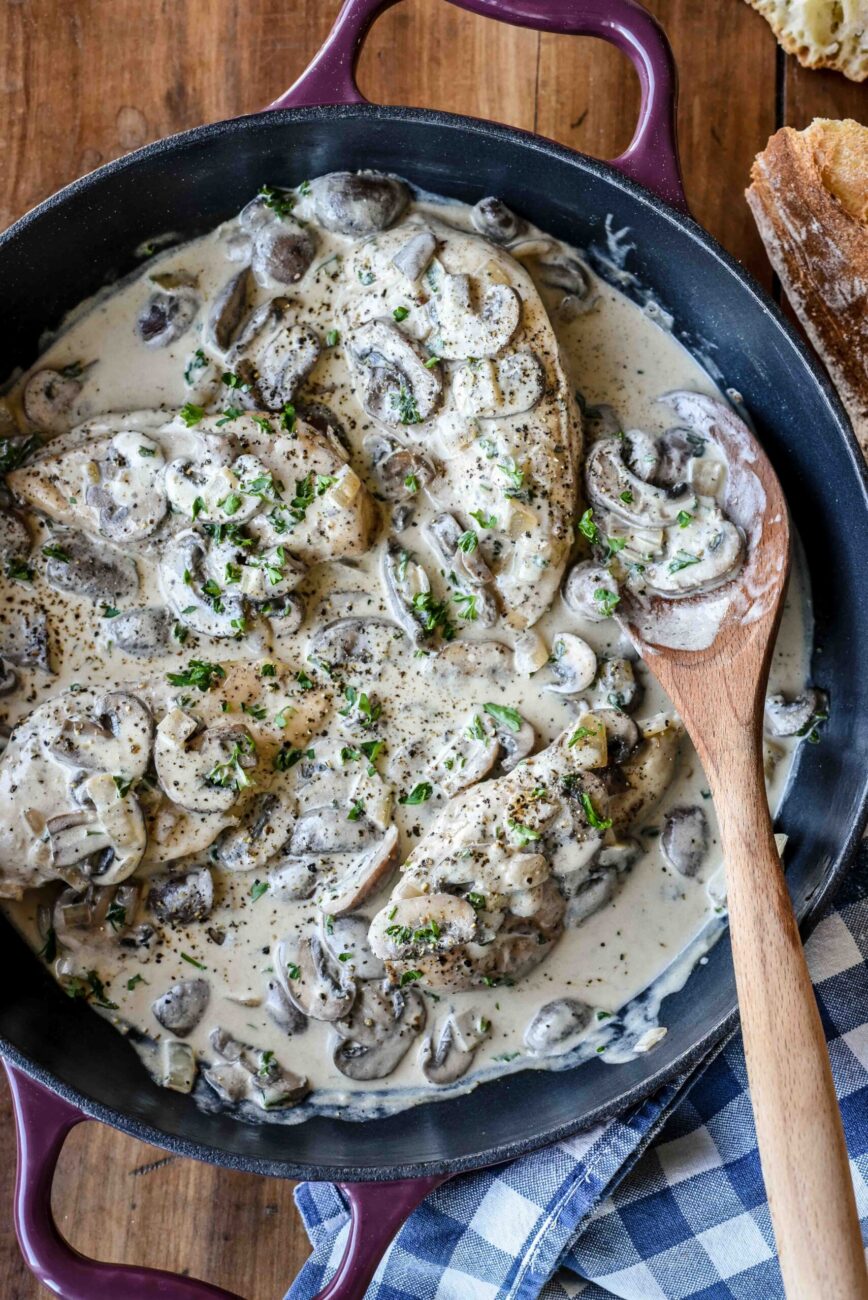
x=651, y=158
x=377, y=1211
x=43, y=1121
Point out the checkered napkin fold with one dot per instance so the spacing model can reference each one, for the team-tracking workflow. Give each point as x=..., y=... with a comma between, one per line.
x=664, y=1203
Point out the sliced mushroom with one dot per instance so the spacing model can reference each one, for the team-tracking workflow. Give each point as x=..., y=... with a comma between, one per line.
x=516, y=735
x=685, y=839
x=469, y=755
x=408, y=590
x=618, y=684
x=591, y=897
x=129, y=500
x=282, y=1012
x=397, y=386
x=555, y=1024
x=314, y=981
x=451, y=1058
x=141, y=632
x=346, y=937
x=49, y=396
x=647, y=772
x=641, y=453
x=491, y=660
x=366, y=642
x=380, y=1031
x=105, y=840
x=399, y=471
x=492, y=390
x=622, y=735
x=793, y=716
x=181, y=1008
x=183, y=579
x=581, y=585
x=259, y=836
x=250, y=1074
x=14, y=537
x=328, y=830
x=468, y=328
x=447, y=539
x=167, y=315
x=493, y=219
x=90, y=569
x=358, y=203
x=202, y=770
x=363, y=876
x=115, y=738
x=291, y=879
x=283, y=251
x=413, y=257
x=178, y=1066
x=272, y=355
x=182, y=899
x=560, y=269
x=26, y=643
x=8, y=678
x=228, y=310
x=573, y=663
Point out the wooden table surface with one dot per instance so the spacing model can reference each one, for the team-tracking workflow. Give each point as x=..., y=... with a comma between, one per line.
x=83, y=81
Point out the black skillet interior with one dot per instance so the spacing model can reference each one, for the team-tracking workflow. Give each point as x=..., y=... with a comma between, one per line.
x=86, y=236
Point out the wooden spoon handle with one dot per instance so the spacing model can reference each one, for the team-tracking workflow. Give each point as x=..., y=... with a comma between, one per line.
x=798, y=1123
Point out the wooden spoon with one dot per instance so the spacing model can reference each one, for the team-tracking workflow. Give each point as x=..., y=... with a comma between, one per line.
x=719, y=691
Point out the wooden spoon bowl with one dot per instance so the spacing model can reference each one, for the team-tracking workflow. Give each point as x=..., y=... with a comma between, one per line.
x=719, y=690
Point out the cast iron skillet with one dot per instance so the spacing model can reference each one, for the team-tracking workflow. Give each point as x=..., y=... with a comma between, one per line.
x=66, y=1063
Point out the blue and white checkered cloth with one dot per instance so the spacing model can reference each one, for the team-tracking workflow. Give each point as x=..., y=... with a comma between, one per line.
x=664, y=1203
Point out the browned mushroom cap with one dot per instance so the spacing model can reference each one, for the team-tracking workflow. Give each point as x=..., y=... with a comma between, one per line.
x=792, y=716
x=283, y=251
x=358, y=203
x=313, y=980
x=378, y=1033
x=182, y=1007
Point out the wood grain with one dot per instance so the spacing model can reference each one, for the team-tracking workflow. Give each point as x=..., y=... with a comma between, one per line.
x=83, y=81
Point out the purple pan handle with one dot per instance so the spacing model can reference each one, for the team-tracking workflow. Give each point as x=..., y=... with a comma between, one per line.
x=377, y=1211
x=43, y=1121
x=651, y=158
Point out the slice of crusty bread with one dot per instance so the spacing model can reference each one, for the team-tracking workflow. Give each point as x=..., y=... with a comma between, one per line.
x=822, y=33
x=809, y=197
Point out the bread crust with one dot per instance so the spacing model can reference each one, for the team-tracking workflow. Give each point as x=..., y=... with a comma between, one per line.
x=809, y=197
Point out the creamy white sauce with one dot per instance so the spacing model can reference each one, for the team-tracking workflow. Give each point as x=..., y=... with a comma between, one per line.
x=621, y=960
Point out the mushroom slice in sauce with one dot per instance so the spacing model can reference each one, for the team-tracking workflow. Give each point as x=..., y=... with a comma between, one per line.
x=377, y=1035
x=648, y=772
x=14, y=537
x=167, y=315
x=618, y=684
x=49, y=398
x=495, y=221
x=129, y=501
x=182, y=1006
x=346, y=937
x=250, y=1074
x=228, y=310
x=358, y=203
x=685, y=839
x=408, y=591
x=182, y=899
x=141, y=632
x=470, y=753
x=591, y=591
x=313, y=979
x=186, y=587
x=413, y=258
x=365, y=642
x=365, y=874
x=574, y=664
x=793, y=716
x=396, y=385
x=260, y=834
x=271, y=355
x=115, y=737
x=282, y=1012
x=202, y=769
x=451, y=1056
x=26, y=643
x=556, y=1025
x=104, y=840
x=88, y=568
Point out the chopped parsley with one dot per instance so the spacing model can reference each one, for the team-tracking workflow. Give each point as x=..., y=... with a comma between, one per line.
x=280, y=202
x=191, y=414
x=588, y=528
x=411, y=483
x=607, y=600
x=287, y=757
x=484, y=520
x=357, y=810
x=134, y=981
x=258, y=888
x=333, y=338
x=683, y=560
x=198, y=361
x=594, y=819
x=19, y=570
x=506, y=716
x=198, y=673
x=420, y=793
x=626, y=497
x=54, y=552
x=401, y=313
x=468, y=542
x=409, y=977
x=466, y=602
x=684, y=518
x=432, y=614
x=524, y=834
x=185, y=956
